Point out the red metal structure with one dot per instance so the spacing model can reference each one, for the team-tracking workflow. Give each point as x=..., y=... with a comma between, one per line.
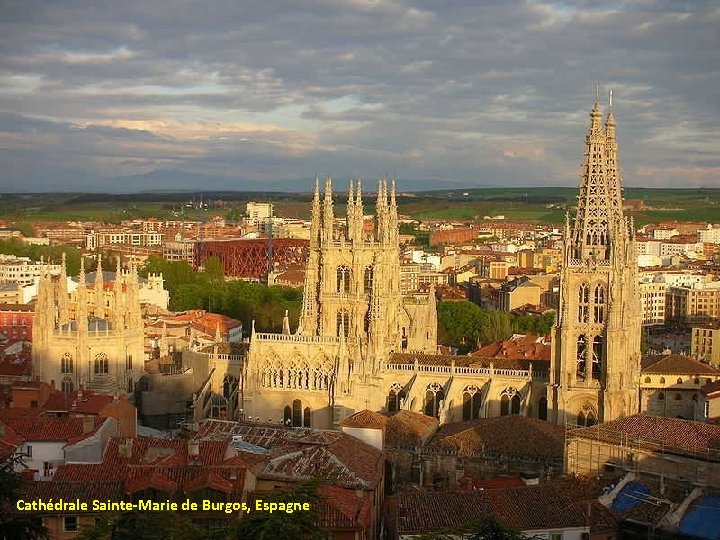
x=252, y=258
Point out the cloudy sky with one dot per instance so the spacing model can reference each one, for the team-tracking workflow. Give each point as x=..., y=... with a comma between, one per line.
x=124, y=95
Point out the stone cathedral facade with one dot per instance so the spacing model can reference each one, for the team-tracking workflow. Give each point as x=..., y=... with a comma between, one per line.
x=595, y=359
x=91, y=338
x=361, y=345
x=353, y=319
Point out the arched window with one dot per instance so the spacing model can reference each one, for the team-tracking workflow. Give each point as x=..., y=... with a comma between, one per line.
x=597, y=357
x=395, y=398
x=306, y=417
x=581, y=419
x=590, y=419
x=510, y=402
x=343, y=279
x=661, y=396
x=343, y=322
x=696, y=380
x=128, y=362
x=515, y=404
x=471, y=403
x=368, y=279
x=581, y=355
x=678, y=397
x=583, y=302
x=433, y=396
x=287, y=416
x=599, y=312
x=297, y=413
x=648, y=380
x=66, y=363
x=504, y=405
x=67, y=385
x=101, y=364
x=662, y=380
x=542, y=408
x=679, y=381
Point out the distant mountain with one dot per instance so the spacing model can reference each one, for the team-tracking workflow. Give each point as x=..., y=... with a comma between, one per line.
x=177, y=181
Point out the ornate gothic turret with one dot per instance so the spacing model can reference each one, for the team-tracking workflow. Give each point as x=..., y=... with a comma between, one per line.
x=595, y=361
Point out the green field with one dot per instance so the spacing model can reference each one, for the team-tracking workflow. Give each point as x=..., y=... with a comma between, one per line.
x=543, y=205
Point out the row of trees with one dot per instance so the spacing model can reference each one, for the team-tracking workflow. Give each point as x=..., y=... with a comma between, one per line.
x=466, y=326
x=240, y=300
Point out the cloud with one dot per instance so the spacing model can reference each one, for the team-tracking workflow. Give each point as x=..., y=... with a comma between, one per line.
x=478, y=93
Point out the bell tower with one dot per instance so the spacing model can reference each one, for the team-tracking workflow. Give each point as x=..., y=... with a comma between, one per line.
x=595, y=359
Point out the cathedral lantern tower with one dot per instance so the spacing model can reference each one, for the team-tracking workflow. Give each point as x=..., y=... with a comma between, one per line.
x=595, y=359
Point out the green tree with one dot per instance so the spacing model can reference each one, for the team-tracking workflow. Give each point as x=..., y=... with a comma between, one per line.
x=485, y=528
x=16, y=526
x=213, y=271
x=137, y=524
x=495, y=326
x=301, y=525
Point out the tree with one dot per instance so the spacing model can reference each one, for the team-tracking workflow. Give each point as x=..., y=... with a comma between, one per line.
x=302, y=525
x=484, y=528
x=137, y=524
x=16, y=526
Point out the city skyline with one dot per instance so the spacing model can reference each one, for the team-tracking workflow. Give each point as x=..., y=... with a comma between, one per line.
x=162, y=96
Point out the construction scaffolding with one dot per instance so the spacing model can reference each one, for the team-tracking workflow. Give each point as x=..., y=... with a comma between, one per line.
x=252, y=259
x=601, y=450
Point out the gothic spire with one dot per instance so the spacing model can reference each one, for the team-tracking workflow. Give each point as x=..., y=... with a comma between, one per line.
x=359, y=212
x=328, y=213
x=99, y=289
x=350, y=212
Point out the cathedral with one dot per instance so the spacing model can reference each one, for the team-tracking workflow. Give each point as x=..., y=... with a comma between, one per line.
x=90, y=338
x=360, y=344
x=353, y=319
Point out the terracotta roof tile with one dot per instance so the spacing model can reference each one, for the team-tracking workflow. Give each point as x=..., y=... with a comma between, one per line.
x=366, y=419
x=535, y=507
x=514, y=434
x=47, y=428
x=684, y=436
x=408, y=428
x=421, y=512
x=676, y=364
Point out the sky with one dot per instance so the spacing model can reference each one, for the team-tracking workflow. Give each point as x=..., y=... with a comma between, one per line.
x=125, y=96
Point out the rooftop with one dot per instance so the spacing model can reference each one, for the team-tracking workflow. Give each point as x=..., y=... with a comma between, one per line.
x=676, y=364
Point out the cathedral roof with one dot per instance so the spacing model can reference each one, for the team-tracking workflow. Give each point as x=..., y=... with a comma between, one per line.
x=676, y=364
x=514, y=434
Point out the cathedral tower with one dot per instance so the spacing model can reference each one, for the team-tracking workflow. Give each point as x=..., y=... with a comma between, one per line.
x=595, y=359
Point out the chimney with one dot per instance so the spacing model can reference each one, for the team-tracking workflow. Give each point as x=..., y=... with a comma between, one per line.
x=193, y=448
x=125, y=448
x=88, y=424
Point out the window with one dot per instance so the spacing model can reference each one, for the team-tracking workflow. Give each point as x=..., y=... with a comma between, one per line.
x=543, y=408
x=556, y=536
x=297, y=413
x=396, y=398
x=306, y=417
x=368, y=279
x=128, y=362
x=433, y=397
x=678, y=397
x=581, y=355
x=343, y=279
x=661, y=396
x=471, y=403
x=343, y=322
x=70, y=523
x=66, y=363
x=583, y=303
x=26, y=450
x=599, y=304
x=504, y=405
x=101, y=363
x=597, y=357
x=287, y=416
x=648, y=380
x=67, y=385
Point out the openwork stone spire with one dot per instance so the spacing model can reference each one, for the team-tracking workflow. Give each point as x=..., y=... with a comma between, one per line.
x=599, y=221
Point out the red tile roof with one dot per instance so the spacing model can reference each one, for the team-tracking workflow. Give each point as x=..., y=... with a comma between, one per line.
x=422, y=512
x=520, y=347
x=408, y=428
x=47, y=428
x=676, y=364
x=671, y=434
x=535, y=508
x=514, y=434
x=297, y=454
x=366, y=419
